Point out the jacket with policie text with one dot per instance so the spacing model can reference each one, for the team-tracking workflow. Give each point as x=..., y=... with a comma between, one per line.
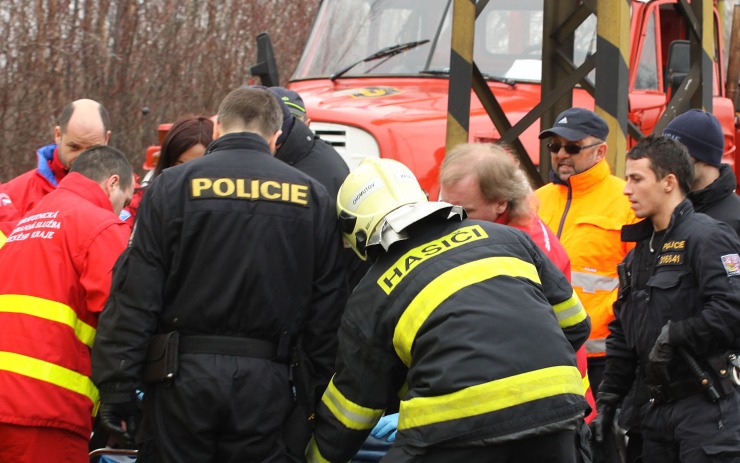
x=236, y=243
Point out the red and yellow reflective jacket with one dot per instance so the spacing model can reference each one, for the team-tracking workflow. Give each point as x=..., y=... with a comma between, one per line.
x=587, y=214
x=55, y=275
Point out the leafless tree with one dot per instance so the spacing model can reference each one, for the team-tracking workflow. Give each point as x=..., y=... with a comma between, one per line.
x=173, y=57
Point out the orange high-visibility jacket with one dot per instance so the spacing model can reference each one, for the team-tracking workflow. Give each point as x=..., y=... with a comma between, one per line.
x=587, y=215
x=55, y=276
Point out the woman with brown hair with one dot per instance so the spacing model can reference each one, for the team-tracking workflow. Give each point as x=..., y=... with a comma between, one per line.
x=186, y=140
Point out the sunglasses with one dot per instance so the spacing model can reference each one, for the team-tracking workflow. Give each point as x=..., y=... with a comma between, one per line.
x=570, y=148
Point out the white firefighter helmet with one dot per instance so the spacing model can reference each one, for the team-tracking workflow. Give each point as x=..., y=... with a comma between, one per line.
x=370, y=192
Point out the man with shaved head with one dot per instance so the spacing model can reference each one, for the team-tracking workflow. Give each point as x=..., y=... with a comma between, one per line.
x=82, y=124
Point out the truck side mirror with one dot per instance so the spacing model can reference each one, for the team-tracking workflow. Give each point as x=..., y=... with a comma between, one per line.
x=266, y=67
x=678, y=65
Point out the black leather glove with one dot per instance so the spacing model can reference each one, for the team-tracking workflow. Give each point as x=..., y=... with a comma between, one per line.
x=119, y=420
x=606, y=407
x=662, y=352
x=656, y=368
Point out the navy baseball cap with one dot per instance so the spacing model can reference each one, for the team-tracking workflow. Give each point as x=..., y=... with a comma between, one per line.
x=291, y=99
x=577, y=123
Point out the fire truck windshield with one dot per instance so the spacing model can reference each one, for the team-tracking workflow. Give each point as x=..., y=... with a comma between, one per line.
x=508, y=41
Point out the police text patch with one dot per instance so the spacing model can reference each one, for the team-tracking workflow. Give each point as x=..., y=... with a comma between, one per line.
x=674, y=246
x=251, y=189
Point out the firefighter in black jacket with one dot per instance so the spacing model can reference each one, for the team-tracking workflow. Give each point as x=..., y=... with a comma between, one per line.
x=467, y=321
x=238, y=253
x=677, y=317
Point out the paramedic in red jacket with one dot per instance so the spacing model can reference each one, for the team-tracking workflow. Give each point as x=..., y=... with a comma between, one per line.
x=55, y=276
x=82, y=124
x=485, y=181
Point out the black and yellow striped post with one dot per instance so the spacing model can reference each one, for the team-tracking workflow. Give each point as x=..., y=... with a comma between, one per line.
x=560, y=20
x=702, y=51
x=461, y=72
x=612, y=75
x=697, y=87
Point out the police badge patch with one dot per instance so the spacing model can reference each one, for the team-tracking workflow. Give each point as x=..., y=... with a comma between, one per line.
x=731, y=262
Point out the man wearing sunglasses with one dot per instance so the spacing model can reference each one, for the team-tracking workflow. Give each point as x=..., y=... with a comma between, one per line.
x=584, y=205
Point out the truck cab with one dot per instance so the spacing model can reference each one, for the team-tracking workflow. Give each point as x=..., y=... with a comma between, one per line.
x=375, y=74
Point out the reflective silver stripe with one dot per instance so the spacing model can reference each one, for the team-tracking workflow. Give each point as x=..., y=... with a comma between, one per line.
x=591, y=282
x=569, y=316
x=596, y=346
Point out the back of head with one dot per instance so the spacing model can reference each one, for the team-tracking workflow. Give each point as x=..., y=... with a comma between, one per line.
x=499, y=176
x=185, y=133
x=666, y=156
x=288, y=117
x=100, y=162
x=701, y=133
x=251, y=109
x=375, y=188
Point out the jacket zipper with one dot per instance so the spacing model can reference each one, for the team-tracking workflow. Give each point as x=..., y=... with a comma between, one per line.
x=565, y=212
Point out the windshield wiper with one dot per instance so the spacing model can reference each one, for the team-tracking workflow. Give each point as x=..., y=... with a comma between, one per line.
x=446, y=72
x=384, y=53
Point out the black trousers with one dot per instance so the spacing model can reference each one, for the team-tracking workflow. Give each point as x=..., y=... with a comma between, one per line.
x=220, y=408
x=559, y=447
x=692, y=430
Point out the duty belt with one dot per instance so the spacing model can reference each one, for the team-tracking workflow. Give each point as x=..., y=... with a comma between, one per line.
x=674, y=391
x=228, y=345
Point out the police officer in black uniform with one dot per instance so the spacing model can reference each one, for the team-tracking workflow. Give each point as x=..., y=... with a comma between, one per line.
x=677, y=317
x=238, y=253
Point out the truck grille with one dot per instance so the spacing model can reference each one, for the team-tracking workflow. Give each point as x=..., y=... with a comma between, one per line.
x=335, y=137
x=352, y=143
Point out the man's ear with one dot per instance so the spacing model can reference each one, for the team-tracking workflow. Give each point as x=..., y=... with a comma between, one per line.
x=114, y=181
x=217, y=129
x=671, y=183
x=273, y=141
x=57, y=134
x=601, y=151
x=500, y=206
x=107, y=137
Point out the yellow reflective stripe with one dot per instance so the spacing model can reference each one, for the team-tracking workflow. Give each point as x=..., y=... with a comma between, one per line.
x=350, y=414
x=570, y=312
x=490, y=397
x=312, y=453
x=445, y=286
x=49, y=310
x=50, y=373
x=3, y=239
x=586, y=383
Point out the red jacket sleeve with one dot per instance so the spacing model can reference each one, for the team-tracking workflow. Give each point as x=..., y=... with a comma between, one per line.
x=101, y=256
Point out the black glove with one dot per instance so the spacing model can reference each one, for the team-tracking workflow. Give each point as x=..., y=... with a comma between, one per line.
x=119, y=420
x=662, y=352
x=656, y=368
x=606, y=407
